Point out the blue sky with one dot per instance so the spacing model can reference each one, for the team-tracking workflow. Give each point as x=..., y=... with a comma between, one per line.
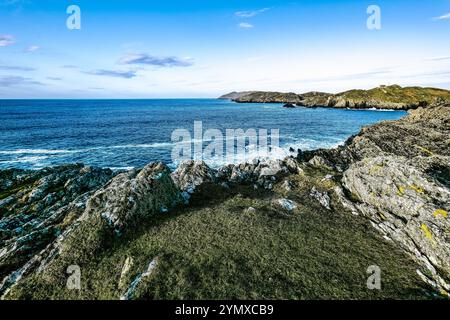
x=162, y=49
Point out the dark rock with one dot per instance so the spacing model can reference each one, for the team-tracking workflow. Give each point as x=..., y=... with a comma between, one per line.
x=194, y=177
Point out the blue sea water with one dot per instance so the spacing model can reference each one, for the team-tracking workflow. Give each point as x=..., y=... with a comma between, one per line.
x=131, y=133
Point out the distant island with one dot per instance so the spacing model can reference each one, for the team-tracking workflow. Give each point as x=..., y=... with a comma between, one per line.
x=383, y=97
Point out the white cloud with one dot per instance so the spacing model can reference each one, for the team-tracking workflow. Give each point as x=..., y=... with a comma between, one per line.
x=32, y=49
x=9, y=81
x=16, y=68
x=113, y=73
x=245, y=25
x=6, y=40
x=438, y=58
x=250, y=14
x=443, y=17
x=145, y=59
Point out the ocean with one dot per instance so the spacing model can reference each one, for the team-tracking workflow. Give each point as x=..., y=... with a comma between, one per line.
x=122, y=134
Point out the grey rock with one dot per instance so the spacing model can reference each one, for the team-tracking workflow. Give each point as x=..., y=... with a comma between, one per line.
x=133, y=196
x=129, y=294
x=191, y=175
x=322, y=197
x=286, y=205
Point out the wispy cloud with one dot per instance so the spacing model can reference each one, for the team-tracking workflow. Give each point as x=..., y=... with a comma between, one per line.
x=55, y=78
x=32, y=49
x=113, y=73
x=11, y=2
x=6, y=40
x=438, y=58
x=443, y=17
x=250, y=14
x=69, y=66
x=16, y=68
x=432, y=73
x=145, y=59
x=245, y=25
x=8, y=81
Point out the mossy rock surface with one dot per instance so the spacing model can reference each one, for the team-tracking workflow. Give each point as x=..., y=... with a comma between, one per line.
x=222, y=250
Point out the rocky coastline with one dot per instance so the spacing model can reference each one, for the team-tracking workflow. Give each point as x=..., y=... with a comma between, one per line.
x=392, y=180
x=384, y=97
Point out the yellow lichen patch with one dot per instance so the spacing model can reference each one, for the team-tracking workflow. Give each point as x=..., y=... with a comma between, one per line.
x=416, y=188
x=440, y=212
x=375, y=169
x=401, y=190
x=444, y=294
x=327, y=184
x=427, y=231
x=425, y=150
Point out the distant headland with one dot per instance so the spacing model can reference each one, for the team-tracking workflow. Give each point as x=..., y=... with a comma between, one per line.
x=383, y=97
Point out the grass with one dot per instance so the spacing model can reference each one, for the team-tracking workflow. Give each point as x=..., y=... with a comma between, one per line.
x=220, y=250
x=397, y=94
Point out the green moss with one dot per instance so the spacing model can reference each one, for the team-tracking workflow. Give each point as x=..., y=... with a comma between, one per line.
x=219, y=250
x=396, y=94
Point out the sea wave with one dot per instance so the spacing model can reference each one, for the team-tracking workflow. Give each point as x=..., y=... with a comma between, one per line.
x=37, y=158
x=34, y=151
x=28, y=159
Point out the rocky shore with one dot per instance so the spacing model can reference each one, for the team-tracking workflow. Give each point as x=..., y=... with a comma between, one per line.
x=306, y=227
x=384, y=97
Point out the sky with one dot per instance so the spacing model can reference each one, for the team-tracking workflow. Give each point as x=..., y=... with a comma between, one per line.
x=202, y=49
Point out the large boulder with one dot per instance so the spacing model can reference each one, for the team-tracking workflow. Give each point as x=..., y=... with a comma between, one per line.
x=194, y=177
x=133, y=196
x=408, y=205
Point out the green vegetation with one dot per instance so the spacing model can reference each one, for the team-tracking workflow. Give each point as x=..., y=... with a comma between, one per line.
x=397, y=94
x=382, y=97
x=222, y=250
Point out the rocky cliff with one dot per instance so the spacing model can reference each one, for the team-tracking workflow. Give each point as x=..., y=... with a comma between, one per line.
x=263, y=97
x=307, y=227
x=383, y=97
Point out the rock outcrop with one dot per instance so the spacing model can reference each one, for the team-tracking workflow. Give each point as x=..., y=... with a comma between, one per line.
x=407, y=205
x=194, y=177
x=37, y=207
x=396, y=173
x=383, y=97
x=263, y=97
x=133, y=196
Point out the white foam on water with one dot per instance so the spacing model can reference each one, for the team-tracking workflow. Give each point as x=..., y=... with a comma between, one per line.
x=121, y=168
x=373, y=109
x=28, y=159
x=35, y=157
x=34, y=151
x=249, y=155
